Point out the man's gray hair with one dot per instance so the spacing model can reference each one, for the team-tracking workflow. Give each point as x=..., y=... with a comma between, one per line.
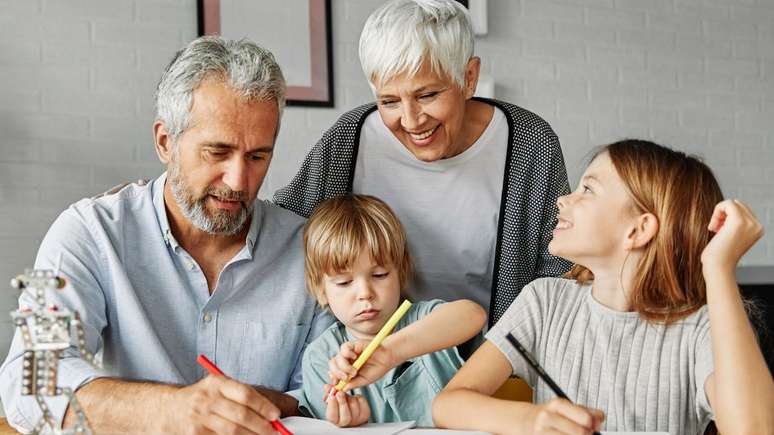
x=402, y=34
x=243, y=65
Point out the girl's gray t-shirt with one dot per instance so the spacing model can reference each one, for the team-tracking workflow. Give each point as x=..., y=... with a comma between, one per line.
x=645, y=376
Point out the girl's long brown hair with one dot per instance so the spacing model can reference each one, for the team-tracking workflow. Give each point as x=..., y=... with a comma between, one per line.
x=681, y=192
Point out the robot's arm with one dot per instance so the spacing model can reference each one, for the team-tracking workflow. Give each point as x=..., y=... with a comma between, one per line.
x=80, y=337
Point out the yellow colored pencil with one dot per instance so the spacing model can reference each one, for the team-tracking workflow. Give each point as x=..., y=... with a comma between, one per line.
x=380, y=336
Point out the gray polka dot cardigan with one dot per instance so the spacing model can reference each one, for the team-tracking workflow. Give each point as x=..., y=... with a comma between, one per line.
x=535, y=176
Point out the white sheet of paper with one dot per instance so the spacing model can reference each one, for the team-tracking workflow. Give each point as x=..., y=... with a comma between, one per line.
x=441, y=432
x=462, y=432
x=312, y=426
x=635, y=433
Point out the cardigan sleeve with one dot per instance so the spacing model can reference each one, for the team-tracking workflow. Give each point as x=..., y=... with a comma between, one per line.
x=307, y=188
x=556, y=177
x=536, y=177
x=328, y=168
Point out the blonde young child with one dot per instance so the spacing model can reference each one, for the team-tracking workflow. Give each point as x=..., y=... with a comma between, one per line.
x=650, y=333
x=357, y=264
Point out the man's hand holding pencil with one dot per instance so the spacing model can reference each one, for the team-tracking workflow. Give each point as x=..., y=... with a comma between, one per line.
x=217, y=404
x=223, y=405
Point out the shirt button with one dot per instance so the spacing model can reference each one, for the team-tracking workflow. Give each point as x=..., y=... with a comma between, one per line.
x=207, y=317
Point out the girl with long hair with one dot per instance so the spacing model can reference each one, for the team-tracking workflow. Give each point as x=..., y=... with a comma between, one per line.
x=648, y=331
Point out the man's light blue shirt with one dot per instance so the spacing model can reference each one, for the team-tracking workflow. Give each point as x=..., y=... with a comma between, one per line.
x=145, y=303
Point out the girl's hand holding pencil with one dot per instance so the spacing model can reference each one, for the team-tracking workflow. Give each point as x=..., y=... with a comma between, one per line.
x=560, y=416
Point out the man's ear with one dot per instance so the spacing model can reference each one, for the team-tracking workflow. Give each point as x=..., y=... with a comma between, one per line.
x=163, y=142
x=472, y=71
x=642, y=232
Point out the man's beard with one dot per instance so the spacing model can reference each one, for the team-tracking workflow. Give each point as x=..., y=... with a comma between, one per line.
x=218, y=222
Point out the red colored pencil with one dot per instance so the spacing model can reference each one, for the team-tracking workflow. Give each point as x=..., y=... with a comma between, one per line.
x=209, y=365
x=214, y=370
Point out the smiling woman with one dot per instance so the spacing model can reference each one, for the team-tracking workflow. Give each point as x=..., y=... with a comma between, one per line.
x=433, y=118
x=474, y=181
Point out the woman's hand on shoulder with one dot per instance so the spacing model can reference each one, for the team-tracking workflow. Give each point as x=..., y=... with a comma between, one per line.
x=736, y=230
x=560, y=416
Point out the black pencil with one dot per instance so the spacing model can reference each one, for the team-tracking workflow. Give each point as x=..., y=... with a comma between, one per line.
x=542, y=373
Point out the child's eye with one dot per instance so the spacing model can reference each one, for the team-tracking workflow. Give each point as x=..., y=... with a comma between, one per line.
x=380, y=275
x=343, y=282
x=586, y=189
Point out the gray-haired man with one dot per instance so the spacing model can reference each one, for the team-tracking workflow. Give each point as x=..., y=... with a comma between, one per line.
x=188, y=264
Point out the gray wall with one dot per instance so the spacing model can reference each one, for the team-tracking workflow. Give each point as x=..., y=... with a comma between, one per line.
x=77, y=77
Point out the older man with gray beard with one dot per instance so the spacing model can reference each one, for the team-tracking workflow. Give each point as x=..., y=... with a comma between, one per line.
x=188, y=264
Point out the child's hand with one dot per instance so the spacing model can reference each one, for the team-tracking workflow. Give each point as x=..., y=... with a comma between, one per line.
x=340, y=366
x=559, y=416
x=344, y=410
x=736, y=230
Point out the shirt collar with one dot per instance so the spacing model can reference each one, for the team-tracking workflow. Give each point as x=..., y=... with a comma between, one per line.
x=161, y=214
x=161, y=211
x=255, y=223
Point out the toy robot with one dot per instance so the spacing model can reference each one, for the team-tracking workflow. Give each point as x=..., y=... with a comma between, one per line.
x=46, y=331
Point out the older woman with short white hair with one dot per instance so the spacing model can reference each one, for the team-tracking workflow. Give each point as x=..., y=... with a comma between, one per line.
x=473, y=180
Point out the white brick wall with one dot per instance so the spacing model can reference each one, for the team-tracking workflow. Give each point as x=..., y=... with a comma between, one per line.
x=696, y=75
x=76, y=85
x=77, y=78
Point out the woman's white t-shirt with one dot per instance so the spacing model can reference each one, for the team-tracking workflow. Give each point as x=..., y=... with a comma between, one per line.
x=449, y=208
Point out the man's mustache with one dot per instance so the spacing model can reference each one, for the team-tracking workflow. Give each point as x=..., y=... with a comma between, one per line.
x=227, y=194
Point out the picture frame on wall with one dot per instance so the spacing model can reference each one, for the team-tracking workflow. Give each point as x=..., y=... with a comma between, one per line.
x=297, y=32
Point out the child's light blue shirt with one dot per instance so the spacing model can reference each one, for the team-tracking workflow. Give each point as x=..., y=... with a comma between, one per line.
x=404, y=393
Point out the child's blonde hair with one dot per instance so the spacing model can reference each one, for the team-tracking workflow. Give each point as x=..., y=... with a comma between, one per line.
x=340, y=228
x=681, y=192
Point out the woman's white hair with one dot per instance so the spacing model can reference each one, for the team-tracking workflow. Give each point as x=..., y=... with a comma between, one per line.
x=243, y=65
x=403, y=34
